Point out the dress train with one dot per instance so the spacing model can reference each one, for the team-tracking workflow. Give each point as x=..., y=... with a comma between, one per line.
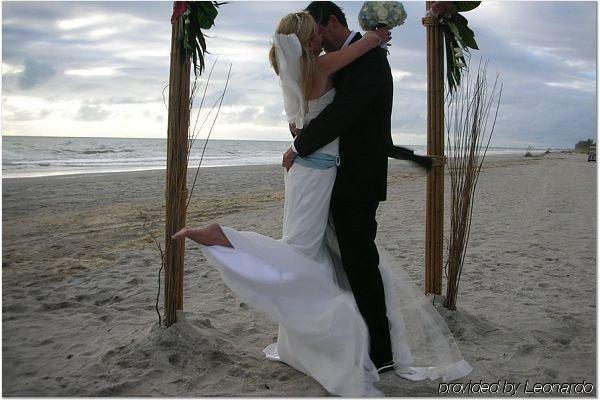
x=321, y=331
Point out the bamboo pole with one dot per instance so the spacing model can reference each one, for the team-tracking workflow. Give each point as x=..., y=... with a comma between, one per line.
x=434, y=232
x=176, y=175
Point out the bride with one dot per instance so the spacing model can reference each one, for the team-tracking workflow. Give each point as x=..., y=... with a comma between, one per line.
x=299, y=280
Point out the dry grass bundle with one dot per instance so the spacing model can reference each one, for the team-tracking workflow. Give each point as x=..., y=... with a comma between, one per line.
x=193, y=134
x=468, y=109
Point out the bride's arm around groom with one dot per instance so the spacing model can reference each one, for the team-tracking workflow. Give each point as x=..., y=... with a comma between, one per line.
x=359, y=87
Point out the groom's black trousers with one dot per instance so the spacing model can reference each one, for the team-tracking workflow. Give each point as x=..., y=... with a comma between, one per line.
x=356, y=228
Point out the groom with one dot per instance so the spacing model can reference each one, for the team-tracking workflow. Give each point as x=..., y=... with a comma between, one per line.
x=360, y=116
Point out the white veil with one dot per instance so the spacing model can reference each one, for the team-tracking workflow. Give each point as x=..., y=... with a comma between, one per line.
x=416, y=324
x=288, y=52
x=423, y=346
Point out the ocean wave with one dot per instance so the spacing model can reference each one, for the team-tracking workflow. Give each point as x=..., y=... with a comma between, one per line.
x=94, y=151
x=87, y=161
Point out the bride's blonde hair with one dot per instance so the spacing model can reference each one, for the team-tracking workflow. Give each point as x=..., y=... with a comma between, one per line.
x=305, y=27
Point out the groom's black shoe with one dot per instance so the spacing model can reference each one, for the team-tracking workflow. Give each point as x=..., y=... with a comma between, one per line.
x=386, y=367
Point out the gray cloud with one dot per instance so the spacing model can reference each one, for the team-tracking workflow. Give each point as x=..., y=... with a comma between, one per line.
x=35, y=73
x=89, y=112
x=126, y=100
x=545, y=53
x=24, y=115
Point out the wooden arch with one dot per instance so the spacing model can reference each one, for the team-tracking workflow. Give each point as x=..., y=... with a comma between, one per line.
x=177, y=148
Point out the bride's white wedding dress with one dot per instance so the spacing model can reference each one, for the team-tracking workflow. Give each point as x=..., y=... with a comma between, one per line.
x=300, y=283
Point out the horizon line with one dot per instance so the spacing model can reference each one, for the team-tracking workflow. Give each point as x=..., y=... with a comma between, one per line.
x=237, y=140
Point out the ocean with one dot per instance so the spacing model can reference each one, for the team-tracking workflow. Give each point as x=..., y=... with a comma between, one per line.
x=35, y=156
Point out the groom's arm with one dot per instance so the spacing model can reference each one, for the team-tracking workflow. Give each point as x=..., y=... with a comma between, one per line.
x=356, y=94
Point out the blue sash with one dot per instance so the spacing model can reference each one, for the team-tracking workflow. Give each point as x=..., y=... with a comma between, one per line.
x=319, y=161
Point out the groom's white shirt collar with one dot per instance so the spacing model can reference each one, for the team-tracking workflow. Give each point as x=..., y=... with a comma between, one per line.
x=346, y=43
x=350, y=37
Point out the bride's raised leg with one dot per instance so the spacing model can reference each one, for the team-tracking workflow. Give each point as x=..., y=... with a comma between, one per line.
x=212, y=235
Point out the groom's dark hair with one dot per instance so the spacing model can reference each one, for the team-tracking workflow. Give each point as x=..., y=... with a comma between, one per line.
x=322, y=10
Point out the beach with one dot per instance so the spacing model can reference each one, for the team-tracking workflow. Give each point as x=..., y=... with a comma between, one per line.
x=80, y=281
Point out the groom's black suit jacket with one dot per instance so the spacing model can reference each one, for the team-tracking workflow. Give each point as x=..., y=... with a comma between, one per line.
x=360, y=116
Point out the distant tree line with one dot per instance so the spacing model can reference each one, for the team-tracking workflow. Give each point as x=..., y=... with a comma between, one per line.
x=584, y=145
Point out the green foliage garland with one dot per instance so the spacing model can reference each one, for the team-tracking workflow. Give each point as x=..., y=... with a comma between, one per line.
x=198, y=15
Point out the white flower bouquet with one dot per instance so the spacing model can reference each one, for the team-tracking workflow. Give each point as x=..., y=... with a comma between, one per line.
x=375, y=14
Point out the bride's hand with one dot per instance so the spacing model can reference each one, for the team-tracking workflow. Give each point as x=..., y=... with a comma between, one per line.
x=383, y=34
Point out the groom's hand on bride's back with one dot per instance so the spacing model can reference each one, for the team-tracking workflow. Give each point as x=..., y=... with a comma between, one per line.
x=293, y=130
x=288, y=159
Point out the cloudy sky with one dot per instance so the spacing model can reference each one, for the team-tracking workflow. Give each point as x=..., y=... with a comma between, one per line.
x=100, y=68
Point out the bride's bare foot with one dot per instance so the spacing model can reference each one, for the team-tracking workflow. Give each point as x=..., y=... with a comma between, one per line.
x=212, y=235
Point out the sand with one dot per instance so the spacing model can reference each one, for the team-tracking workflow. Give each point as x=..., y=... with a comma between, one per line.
x=80, y=282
